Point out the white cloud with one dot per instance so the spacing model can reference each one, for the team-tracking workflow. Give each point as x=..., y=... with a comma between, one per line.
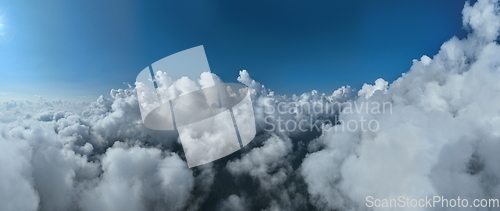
x=234, y=203
x=66, y=160
x=439, y=138
x=140, y=179
x=16, y=180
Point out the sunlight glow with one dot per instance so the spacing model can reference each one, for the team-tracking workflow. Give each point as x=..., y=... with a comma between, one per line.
x=6, y=34
x=2, y=26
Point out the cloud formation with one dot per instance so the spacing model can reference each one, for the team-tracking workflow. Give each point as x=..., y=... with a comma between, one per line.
x=439, y=138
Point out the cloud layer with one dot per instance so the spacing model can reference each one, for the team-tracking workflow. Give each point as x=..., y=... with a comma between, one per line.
x=439, y=137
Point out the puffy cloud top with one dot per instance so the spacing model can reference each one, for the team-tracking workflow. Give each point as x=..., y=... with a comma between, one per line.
x=438, y=137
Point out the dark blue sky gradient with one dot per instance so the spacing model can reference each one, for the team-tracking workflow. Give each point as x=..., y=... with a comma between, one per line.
x=82, y=49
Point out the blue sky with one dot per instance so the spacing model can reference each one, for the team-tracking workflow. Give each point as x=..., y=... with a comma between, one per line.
x=83, y=49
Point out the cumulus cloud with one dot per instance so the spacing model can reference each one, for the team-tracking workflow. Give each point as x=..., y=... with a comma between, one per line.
x=234, y=203
x=140, y=179
x=16, y=179
x=438, y=136
x=99, y=157
x=46, y=110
